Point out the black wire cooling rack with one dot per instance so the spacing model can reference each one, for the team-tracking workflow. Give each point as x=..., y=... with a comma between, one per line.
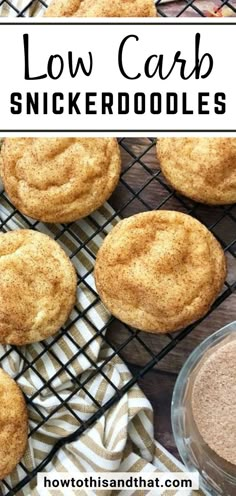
x=141, y=187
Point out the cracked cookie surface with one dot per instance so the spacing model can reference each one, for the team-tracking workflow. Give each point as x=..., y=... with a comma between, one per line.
x=203, y=169
x=37, y=287
x=59, y=179
x=101, y=8
x=13, y=424
x=159, y=271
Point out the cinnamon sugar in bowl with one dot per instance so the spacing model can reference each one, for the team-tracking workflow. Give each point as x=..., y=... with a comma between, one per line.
x=204, y=412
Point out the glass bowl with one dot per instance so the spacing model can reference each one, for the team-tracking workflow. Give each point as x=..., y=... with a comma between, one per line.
x=217, y=477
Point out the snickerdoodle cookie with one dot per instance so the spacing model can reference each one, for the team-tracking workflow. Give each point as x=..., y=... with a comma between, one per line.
x=13, y=424
x=59, y=179
x=37, y=287
x=159, y=271
x=101, y=8
x=203, y=169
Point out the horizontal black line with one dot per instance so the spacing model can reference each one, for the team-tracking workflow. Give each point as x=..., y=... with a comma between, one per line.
x=118, y=131
x=25, y=23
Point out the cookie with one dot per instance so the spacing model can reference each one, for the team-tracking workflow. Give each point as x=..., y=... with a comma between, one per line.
x=13, y=424
x=159, y=271
x=59, y=179
x=203, y=169
x=37, y=287
x=101, y=8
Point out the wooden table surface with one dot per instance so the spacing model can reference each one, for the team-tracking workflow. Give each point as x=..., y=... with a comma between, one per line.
x=158, y=383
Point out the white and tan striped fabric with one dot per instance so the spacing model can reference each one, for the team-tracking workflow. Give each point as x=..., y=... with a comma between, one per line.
x=122, y=439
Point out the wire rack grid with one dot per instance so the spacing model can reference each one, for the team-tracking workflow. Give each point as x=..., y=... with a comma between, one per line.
x=149, y=192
